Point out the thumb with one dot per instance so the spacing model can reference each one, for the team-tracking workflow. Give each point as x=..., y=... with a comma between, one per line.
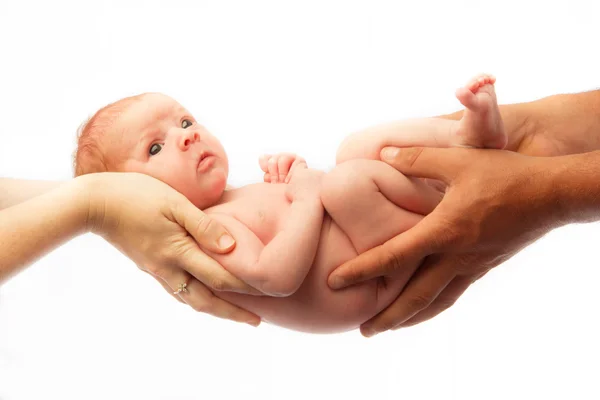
x=209, y=233
x=426, y=162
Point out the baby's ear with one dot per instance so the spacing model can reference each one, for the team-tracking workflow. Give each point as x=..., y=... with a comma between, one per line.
x=88, y=160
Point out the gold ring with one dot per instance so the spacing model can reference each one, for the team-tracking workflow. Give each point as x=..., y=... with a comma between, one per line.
x=181, y=288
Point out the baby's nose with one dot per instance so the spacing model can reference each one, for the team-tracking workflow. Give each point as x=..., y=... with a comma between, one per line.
x=187, y=139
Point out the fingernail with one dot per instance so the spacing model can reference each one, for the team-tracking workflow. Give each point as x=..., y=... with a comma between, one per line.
x=368, y=332
x=253, y=322
x=225, y=241
x=336, y=282
x=389, y=153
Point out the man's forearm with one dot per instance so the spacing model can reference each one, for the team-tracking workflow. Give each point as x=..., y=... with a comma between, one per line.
x=572, y=119
x=32, y=228
x=15, y=191
x=576, y=188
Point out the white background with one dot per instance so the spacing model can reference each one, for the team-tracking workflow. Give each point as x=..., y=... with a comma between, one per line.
x=268, y=76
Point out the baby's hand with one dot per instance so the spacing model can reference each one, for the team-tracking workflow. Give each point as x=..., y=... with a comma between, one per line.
x=305, y=184
x=278, y=168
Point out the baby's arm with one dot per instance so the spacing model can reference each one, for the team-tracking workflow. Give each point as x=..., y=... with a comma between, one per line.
x=366, y=144
x=279, y=267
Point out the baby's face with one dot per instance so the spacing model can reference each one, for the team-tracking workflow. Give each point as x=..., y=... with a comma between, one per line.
x=162, y=139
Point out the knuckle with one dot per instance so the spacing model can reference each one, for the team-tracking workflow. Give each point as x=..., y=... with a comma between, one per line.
x=465, y=262
x=145, y=269
x=448, y=232
x=468, y=263
x=158, y=271
x=412, y=155
x=201, y=307
x=390, y=261
x=217, y=284
x=357, y=273
x=386, y=324
x=444, y=304
x=418, y=302
x=204, y=224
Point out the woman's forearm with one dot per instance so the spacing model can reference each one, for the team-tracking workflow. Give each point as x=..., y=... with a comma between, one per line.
x=33, y=227
x=15, y=191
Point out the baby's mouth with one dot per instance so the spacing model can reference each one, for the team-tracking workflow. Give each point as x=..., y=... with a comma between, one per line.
x=204, y=159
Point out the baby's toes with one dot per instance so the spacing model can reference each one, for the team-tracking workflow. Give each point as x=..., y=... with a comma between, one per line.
x=486, y=92
x=472, y=85
x=482, y=80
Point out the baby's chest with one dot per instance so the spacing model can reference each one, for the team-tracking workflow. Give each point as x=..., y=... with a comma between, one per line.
x=262, y=208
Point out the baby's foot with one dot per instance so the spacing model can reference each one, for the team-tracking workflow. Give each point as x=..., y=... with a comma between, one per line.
x=481, y=124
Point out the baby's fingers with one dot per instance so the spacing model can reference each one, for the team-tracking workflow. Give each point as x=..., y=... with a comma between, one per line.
x=273, y=168
x=284, y=165
x=263, y=161
x=298, y=163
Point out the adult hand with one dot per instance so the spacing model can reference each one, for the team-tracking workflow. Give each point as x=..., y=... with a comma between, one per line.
x=496, y=203
x=159, y=229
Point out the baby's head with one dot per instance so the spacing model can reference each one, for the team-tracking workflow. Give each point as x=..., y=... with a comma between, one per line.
x=153, y=134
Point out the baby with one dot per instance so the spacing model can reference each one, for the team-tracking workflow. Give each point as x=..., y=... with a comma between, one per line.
x=294, y=229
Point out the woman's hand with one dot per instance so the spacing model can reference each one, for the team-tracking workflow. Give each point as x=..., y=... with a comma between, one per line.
x=159, y=229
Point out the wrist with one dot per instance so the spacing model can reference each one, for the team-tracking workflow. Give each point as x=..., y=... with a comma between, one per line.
x=89, y=199
x=575, y=191
x=563, y=124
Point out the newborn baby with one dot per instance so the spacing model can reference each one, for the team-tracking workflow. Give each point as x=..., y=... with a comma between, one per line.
x=295, y=228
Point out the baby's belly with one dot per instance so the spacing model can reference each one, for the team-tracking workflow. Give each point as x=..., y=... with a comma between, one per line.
x=315, y=307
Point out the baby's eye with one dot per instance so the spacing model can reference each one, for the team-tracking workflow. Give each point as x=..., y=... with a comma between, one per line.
x=155, y=149
x=186, y=123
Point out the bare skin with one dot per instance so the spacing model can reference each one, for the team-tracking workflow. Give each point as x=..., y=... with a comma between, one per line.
x=481, y=123
x=496, y=204
x=133, y=212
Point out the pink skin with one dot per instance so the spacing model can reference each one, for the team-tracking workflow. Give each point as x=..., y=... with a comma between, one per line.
x=481, y=124
x=190, y=160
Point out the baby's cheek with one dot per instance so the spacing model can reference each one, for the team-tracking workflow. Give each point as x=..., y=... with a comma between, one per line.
x=176, y=181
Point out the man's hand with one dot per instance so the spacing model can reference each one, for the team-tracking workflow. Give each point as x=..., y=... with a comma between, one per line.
x=279, y=168
x=496, y=203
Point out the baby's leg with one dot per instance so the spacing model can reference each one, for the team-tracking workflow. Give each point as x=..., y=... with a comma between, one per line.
x=372, y=202
x=481, y=124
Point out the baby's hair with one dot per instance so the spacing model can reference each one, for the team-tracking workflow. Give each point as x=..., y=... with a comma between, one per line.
x=89, y=156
